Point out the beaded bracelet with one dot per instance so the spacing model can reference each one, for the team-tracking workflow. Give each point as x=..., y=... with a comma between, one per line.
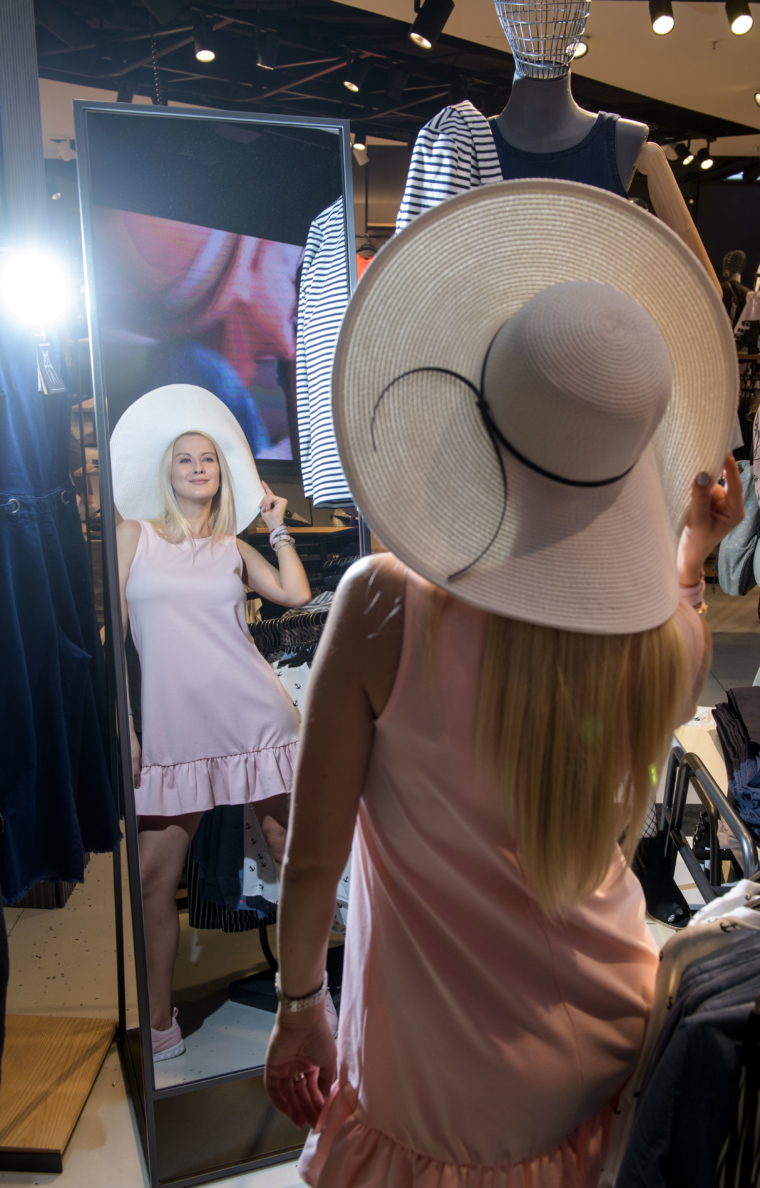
x=276, y=533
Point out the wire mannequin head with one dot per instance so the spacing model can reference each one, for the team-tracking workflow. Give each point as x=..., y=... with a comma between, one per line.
x=735, y=261
x=543, y=34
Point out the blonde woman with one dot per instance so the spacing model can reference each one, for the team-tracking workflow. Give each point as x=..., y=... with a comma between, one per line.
x=217, y=726
x=524, y=434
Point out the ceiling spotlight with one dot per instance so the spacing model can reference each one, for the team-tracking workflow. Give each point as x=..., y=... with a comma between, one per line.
x=202, y=37
x=34, y=289
x=580, y=50
x=397, y=80
x=269, y=48
x=661, y=15
x=682, y=152
x=358, y=69
x=430, y=22
x=704, y=160
x=689, y=157
x=739, y=16
x=757, y=98
x=56, y=196
x=360, y=139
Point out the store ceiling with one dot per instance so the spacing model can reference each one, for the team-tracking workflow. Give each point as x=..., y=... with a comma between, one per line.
x=700, y=65
x=107, y=44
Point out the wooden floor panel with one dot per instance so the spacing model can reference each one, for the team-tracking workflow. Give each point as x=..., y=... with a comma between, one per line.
x=49, y=1067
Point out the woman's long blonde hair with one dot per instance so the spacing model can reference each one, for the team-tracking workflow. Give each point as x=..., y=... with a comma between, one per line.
x=173, y=525
x=576, y=727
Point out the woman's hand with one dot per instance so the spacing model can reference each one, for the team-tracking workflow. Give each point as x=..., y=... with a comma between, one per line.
x=714, y=511
x=272, y=508
x=300, y=1067
x=136, y=755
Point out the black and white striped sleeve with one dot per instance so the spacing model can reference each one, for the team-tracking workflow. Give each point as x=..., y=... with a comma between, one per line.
x=453, y=153
x=322, y=301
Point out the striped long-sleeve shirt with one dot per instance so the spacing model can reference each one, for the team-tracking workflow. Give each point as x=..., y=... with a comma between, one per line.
x=453, y=153
x=322, y=302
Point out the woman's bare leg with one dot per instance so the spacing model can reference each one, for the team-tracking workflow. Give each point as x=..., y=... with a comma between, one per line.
x=273, y=816
x=164, y=842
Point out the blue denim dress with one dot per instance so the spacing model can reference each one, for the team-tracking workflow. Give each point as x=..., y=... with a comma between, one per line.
x=592, y=161
x=55, y=791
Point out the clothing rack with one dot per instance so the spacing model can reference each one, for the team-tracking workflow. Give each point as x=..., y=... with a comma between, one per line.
x=293, y=631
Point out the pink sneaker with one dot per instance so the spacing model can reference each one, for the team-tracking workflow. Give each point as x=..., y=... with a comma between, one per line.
x=168, y=1043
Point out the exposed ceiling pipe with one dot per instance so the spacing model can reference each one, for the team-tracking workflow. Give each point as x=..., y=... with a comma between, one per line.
x=62, y=23
x=299, y=82
x=147, y=59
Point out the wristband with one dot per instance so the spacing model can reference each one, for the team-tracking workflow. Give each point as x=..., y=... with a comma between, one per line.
x=695, y=596
x=299, y=1004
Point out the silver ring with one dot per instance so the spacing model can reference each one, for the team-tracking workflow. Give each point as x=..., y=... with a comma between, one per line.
x=65, y=497
x=13, y=506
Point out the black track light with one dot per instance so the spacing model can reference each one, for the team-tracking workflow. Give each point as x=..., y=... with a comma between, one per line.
x=661, y=16
x=704, y=160
x=397, y=80
x=752, y=172
x=739, y=16
x=204, y=50
x=430, y=22
x=360, y=139
x=689, y=158
x=268, y=49
x=356, y=75
x=682, y=152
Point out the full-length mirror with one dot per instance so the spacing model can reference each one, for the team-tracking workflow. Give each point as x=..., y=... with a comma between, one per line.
x=218, y=272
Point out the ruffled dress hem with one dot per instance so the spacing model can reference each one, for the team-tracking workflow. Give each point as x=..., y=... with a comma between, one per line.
x=169, y=791
x=343, y=1152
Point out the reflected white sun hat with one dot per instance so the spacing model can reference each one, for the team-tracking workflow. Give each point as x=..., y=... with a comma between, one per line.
x=526, y=384
x=148, y=427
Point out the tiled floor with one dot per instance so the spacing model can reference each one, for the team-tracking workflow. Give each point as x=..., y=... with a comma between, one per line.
x=62, y=962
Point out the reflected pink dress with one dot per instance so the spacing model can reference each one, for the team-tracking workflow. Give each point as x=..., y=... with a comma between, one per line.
x=480, y=1044
x=218, y=727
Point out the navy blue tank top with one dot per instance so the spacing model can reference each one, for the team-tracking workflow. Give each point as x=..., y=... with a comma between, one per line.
x=593, y=161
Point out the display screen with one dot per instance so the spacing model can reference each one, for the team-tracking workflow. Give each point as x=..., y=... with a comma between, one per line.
x=199, y=231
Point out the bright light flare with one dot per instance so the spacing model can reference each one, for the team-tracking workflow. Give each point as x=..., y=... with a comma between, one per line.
x=663, y=24
x=34, y=289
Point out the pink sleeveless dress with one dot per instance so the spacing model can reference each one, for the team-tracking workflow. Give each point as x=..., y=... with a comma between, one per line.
x=218, y=728
x=481, y=1045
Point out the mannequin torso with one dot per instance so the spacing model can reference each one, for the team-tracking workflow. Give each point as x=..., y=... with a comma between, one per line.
x=543, y=117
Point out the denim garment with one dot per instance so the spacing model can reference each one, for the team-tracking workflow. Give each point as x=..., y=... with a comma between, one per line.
x=593, y=161
x=55, y=792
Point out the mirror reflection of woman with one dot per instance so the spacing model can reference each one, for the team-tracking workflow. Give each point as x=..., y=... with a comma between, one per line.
x=218, y=728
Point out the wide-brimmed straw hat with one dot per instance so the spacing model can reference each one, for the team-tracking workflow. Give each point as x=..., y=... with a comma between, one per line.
x=527, y=381
x=144, y=433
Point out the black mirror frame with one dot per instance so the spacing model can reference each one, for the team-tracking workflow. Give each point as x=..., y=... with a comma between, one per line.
x=197, y=1132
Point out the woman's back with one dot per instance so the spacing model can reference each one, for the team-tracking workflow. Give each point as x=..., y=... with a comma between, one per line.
x=474, y=1031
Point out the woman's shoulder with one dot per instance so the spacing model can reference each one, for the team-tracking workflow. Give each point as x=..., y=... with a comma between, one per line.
x=128, y=534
